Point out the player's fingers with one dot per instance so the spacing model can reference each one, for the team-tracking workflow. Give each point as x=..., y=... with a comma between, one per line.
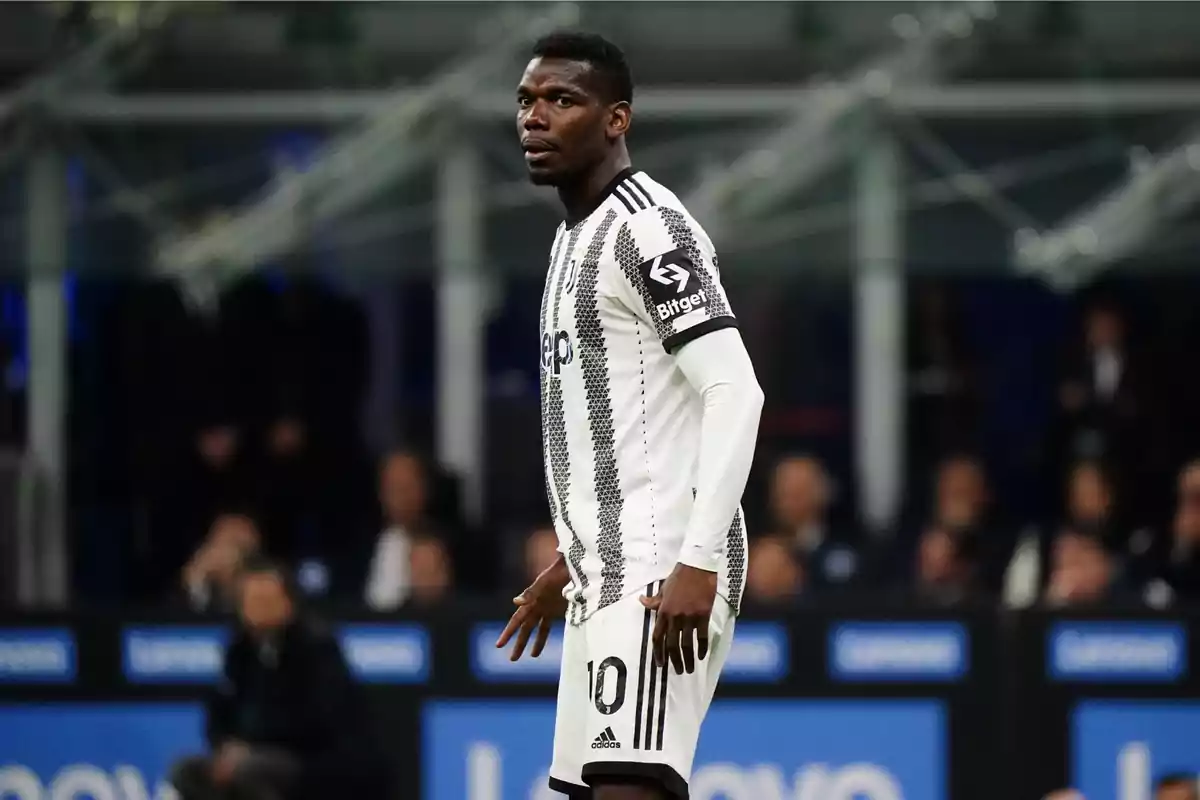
x=514, y=622
x=702, y=640
x=674, y=636
x=687, y=647
x=522, y=639
x=652, y=602
x=658, y=639
x=543, y=634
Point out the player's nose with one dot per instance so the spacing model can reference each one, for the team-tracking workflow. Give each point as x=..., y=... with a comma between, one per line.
x=535, y=119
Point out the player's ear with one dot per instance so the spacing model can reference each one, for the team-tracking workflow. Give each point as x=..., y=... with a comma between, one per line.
x=620, y=114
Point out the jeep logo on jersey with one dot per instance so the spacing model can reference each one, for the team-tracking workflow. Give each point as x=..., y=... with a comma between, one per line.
x=557, y=351
x=673, y=284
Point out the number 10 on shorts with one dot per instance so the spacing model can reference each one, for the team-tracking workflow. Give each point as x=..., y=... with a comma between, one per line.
x=610, y=673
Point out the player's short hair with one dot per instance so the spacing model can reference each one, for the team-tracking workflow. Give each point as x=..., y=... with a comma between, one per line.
x=605, y=58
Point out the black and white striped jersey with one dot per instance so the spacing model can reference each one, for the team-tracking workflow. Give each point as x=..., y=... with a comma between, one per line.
x=627, y=285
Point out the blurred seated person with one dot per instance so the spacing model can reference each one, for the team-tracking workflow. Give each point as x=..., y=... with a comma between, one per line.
x=431, y=575
x=946, y=566
x=1176, y=568
x=1091, y=498
x=404, y=499
x=1089, y=504
x=1084, y=571
x=960, y=500
x=962, y=496
x=1104, y=399
x=416, y=570
x=210, y=577
x=287, y=719
x=774, y=577
x=800, y=495
x=943, y=402
x=1177, y=786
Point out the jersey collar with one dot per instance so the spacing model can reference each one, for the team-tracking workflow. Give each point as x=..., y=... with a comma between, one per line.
x=604, y=194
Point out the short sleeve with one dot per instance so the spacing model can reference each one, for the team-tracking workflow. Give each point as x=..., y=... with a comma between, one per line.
x=668, y=276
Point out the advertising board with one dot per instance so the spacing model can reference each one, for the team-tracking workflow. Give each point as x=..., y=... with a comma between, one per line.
x=749, y=750
x=100, y=751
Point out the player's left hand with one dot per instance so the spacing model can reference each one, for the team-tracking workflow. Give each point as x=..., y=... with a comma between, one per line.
x=684, y=605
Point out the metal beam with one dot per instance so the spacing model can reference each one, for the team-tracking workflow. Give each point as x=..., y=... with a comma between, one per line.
x=821, y=134
x=1121, y=223
x=1004, y=101
x=461, y=340
x=395, y=139
x=46, y=400
x=879, y=286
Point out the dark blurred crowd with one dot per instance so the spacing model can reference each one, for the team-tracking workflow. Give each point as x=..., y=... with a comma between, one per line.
x=246, y=442
x=239, y=410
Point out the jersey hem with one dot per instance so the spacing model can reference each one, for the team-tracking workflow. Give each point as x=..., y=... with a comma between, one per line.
x=574, y=611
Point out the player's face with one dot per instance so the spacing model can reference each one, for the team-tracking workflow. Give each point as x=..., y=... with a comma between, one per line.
x=563, y=124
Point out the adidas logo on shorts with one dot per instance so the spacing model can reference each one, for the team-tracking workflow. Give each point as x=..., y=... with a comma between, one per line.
x=607, y=740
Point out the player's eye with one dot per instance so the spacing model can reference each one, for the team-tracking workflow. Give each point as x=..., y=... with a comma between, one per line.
x=523, y=101
x=563, y=102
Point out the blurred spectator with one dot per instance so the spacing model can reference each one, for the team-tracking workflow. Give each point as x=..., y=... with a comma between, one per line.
x=311, y=350
x=541, y=551
x=1089, y=506
x=432, y=570
x=404, y=498
x=288, y=719
x=801, y=493
x=1176, y=575
x=1084, y=571
x=1105, y=402
x=183, y=372
x=943, y=403
x=210, y=577
x=1090, y=497
x=1096, y=387
x=774, y=576
x=946, y=568
x=962, y=497
x=1178, y=786
x=962, y=504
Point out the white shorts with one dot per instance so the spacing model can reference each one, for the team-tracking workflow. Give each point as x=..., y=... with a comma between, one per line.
x=621, y=716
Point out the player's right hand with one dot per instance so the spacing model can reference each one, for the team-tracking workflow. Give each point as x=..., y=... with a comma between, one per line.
x=537, y=608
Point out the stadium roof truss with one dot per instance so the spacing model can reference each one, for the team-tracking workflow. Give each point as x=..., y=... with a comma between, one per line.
x=825, y=125
x=1127, y=220
x=387, y=146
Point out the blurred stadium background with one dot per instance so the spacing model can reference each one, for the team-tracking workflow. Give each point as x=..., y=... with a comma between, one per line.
x=251, y=250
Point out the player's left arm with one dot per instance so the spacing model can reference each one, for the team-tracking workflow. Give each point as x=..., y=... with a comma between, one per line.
x=719, y=369
x=667, y=275
x=672, y=283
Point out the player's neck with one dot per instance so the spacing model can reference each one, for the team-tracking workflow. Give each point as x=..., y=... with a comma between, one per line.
x=582, y=197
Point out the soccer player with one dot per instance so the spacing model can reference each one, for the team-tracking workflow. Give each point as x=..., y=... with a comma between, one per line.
x=650, y=410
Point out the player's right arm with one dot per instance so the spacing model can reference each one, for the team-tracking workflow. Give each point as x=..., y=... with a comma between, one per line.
x=537, y=608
